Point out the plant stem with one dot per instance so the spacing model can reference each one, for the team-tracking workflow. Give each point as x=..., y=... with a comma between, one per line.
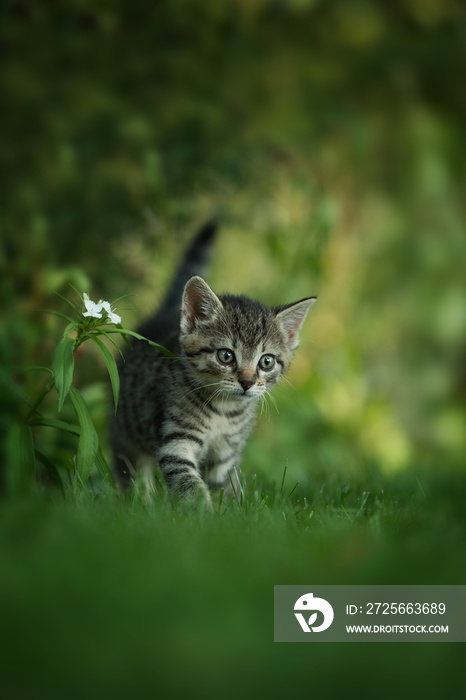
x=39, y=399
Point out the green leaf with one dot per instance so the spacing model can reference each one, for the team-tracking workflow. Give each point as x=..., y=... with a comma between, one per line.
x=78, y=293
x=20, y=459
x=63, y=365
x=54, y=423
x=59, y=314
x=119, y=328
x=38, y=368
x=99, y=331
x=111, y=366
x=104, y=469
x=100, y=461
x=51, y=469
x=123, y=296
x=70, y=303
x=124, y=332
x=88, y=443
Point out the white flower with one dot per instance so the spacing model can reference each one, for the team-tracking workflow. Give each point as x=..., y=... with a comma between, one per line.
x=92, y=309
x=95, y=310
x=114, y=318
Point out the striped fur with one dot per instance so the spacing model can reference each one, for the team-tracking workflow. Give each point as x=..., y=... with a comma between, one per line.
x=194, y=414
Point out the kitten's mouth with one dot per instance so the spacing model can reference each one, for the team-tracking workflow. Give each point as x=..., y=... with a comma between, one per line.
x=240, y=394
x=247, y=394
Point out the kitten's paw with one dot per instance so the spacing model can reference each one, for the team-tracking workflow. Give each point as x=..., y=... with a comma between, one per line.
x=191, y=495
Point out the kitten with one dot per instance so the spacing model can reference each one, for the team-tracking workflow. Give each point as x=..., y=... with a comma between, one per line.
x=194, y=414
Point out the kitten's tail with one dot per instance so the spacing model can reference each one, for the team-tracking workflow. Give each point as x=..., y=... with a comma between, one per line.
x=194, y=262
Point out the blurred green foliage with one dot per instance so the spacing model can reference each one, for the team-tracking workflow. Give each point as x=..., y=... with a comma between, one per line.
x=328, y=137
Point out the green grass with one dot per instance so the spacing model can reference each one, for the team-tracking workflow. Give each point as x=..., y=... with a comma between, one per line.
x=109, y=597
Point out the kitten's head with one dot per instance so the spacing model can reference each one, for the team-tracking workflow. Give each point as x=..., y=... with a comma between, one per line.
x=236, y=345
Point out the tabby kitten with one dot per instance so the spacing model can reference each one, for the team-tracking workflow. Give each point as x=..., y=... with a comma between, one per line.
x=194, y=414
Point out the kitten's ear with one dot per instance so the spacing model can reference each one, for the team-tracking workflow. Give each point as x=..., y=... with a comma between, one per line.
x=200, y=303
x=291, y=318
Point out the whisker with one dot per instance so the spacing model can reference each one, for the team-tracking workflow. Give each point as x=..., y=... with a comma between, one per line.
x=214, y=395
x=265, y=408
x=281, y=389
x=199, y=387
x=261, y=401
x=289, y=383
x=272, y=399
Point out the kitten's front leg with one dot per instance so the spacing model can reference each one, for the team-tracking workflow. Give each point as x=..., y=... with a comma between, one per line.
x=224, y=470
x=226, y=462
x=178, y=458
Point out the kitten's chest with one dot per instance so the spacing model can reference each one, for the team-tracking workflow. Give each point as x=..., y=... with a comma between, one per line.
x=227, y=432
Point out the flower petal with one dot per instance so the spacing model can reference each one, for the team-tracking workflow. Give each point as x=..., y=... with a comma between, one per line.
x=114, y=318
x=95, y=310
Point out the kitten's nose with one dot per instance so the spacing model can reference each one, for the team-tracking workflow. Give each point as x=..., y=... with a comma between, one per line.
x=246, y=383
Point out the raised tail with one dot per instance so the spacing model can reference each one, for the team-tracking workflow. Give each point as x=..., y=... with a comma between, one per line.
x=194, y=262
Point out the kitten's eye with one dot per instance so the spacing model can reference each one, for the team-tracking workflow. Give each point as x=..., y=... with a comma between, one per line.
x=225, y=356
x=267, y=362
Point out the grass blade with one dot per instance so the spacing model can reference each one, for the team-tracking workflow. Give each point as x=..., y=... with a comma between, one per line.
x=282, y=485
